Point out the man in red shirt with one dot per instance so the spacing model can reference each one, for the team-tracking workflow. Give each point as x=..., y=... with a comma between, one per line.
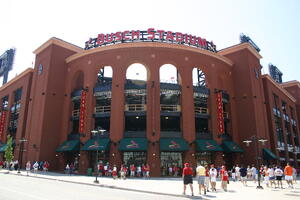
x=224, y=178
x=288, y=172
x=187, y=176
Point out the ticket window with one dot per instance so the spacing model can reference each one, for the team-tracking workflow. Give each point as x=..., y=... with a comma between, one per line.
x=136, y=157
x=204, y=158
x=170, y=159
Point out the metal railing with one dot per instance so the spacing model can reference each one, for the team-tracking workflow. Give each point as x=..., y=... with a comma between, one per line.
x=226, y=115
x=76, y=113
x=135, y=107
x=102, y=109
x=170, y=108
x=201, y=110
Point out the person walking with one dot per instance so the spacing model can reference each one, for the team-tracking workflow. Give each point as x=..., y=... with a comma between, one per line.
x=206, y=182
x=278, y=174
x=233, y=173
x=288, y=172
x=200, y=171
x=271, y=173
x=253, y=173
x=114, y=172
x=28, y=167
x=123, y=172
x=187, y=176
x=224, y=178
x=175, y=170
x=35, y=167
x=147, y=170
x=266, y=176
x=237, y=173
x=294, y=175
x=213, y=177
x=67, y=169
x=132, y=170
x=243, y=174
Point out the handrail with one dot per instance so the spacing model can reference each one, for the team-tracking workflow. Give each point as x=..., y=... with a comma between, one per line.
x=135, y=107
x=102, y=109
x=201, y=110
x=170, y=108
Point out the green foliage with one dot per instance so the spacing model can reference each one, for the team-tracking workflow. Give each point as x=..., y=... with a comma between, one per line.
x=9, y=156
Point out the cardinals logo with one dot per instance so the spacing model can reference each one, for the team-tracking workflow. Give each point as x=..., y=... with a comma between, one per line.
x=174, y=145
x=209, y=146
x=66, y=146
x=95, y=145
x=132, y=145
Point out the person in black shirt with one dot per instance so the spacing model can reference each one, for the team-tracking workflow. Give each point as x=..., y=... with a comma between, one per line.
x=243, y=172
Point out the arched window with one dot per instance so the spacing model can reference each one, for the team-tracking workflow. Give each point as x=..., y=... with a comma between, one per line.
x=199, y=77
x=135, y=99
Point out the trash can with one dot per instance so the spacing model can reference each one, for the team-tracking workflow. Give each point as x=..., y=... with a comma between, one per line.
x=89, y=171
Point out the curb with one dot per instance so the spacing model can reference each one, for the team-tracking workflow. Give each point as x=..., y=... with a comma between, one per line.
x=109, y=186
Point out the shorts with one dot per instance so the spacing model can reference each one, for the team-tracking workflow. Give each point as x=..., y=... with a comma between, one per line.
x=201, y=180
x=278, y=178
x=271, y=178
x=243, y=178
x=187, y=179
x=288, y=178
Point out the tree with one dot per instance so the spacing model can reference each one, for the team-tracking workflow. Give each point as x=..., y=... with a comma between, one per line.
x=9, y=156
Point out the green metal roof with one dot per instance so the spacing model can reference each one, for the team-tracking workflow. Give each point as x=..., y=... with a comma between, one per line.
x=69, y=145
x=133, y=144
x=208, y=145
x=173, y=144
x=268, y=154
x=96, y=144
x=231, y=147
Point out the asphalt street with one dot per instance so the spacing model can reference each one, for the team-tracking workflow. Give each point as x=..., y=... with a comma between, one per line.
x=14, y=187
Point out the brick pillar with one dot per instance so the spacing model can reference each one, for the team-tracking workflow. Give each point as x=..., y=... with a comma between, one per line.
x=189, y=156
x=219, y=159
x=83, y=162
x=115, y=157
x=153, y=159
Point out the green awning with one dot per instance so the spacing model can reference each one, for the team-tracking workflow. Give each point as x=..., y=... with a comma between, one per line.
x=94, y=145
x=173, y=144
x=231, y=147
x=268, y=154
x=3, y=147
x=133, y=144
x=208, y=145
x=71, y=145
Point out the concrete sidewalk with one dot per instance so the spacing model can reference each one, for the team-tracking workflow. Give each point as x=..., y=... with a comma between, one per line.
x=174, y=187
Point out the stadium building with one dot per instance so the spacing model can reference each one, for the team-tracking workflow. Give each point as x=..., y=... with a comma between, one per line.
x=156, y=97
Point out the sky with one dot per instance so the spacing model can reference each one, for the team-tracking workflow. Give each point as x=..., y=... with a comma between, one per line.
x=274, y=25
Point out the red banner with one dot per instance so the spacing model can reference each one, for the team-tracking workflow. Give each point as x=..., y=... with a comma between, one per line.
x=82, y=111
x=2, y=122
x=220, y=116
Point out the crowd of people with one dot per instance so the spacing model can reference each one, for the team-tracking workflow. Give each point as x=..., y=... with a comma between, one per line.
x=123, y=171
x=35, y=166
x=271, y=176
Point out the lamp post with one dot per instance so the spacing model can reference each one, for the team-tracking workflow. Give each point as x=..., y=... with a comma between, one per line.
x=22, y=140
x=256, y=141
x=96, y=133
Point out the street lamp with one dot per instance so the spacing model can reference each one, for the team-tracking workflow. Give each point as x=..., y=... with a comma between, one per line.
x=96, y=133
x=22, y=140
x=255, y=139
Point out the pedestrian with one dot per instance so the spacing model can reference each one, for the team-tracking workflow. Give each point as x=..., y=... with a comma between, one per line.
x=175, y=170
x=123, y=172
x=288, y=172
x=35, y=167
x=254, y=173
x=243, y=174
x=147, y=170
x=170, y=169
x=100, y=169
x=224, y=178
x=271, y=173
x=278, y=174
x=213, y=177
x=206, y=182
x=139, y=171
x=249, y=172
x=200, y=171
x=71, y=168
x=114, y=172
x=237, y=173
x=45, y=166
x=28, y=167
x=132, y=170
x=233, y=173
x=187, y=176
x=67, y=169
x=266, y=176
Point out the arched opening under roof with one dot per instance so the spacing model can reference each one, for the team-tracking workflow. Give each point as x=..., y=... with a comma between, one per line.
x=135, y=111
x=170, y=114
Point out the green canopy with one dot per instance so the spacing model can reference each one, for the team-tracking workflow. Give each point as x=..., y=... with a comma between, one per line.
x=173, y=144
x=3, y=147
x=96, y=144
x=231, y=147
x=268, y=154
x=133, y=144
x=69, y=145
x=208, y=145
